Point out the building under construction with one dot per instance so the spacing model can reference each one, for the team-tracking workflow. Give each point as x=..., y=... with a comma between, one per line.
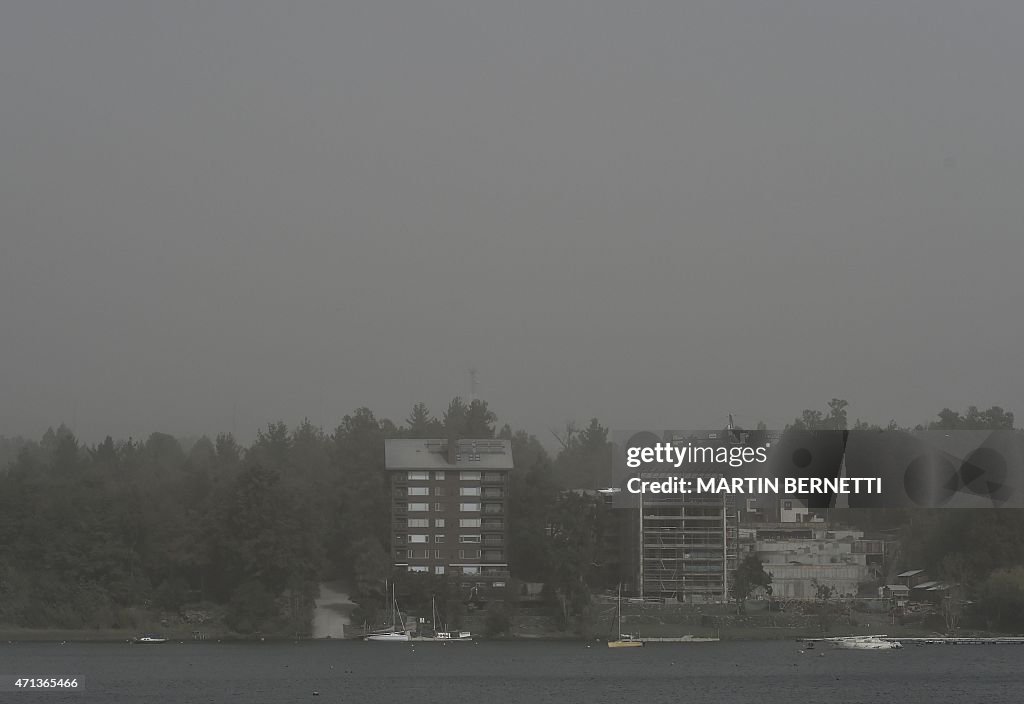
x=688, y=546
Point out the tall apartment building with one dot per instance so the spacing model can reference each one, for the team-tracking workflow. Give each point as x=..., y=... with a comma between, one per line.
x=449, y=509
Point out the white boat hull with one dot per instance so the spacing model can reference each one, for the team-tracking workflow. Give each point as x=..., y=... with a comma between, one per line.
x=867, y=644
x=390, y=637
x=453, y=636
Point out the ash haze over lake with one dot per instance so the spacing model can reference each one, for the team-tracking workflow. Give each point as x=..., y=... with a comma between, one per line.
x=215, y=215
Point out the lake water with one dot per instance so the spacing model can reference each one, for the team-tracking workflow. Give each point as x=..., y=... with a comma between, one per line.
x=498, y=672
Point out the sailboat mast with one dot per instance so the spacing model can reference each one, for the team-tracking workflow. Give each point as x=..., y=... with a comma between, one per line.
x=618, y=634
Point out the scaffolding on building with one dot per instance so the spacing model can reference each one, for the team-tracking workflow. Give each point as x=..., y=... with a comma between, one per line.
x=688, y=547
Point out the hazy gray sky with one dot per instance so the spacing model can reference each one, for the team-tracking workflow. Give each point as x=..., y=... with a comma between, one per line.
x=651, y=212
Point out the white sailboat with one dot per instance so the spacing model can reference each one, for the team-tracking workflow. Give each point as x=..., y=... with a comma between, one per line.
x=396, y=633
x=862, y=643
x=623, y=641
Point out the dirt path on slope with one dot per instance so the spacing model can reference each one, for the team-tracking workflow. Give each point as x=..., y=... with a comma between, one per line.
x=333, y=611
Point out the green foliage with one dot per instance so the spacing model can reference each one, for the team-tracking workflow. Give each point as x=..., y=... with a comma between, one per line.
x=498, y=620
x=749, y=576
x=965, y=545
x=421, y=424
x=171, y=595
x=474, y=420
x=371, y=567
x=822, y=592
x=532, y=495
x=835, y=419
x=1001, y=600
x=995, y=418
x=251, y=606
x=585, y=461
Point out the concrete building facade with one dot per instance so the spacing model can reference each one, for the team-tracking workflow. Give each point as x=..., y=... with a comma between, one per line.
x=805, y=556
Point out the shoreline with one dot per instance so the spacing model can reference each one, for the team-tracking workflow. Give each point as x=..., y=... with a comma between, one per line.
x=57, y=635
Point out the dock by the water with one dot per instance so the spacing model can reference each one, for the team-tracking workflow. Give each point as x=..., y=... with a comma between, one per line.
x=680, y=639
x=1009, y=640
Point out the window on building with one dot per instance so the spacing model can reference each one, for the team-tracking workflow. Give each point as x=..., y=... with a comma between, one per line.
x=439, y=476
x=470, y=570
x=438, y=538
x=439, y=569
x=417, y=538
x=787, y=505
x=469, y=476
x=469, y=507
x=439, y=523
x=469, y=538
x=469, y=491
x=439, y=491
x=418, y=476
x=469, y=554
x=437, y=554
x=469, y=523
x=419, y=507
x=418, y=522
x=438, y=507
x=418, y=568
x=499, y=585
x=419, y=491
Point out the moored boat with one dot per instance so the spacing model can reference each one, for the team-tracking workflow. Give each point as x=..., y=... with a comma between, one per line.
x=863, y=643
x=390, y=636
x=624, y=640
x=396, y=633
x=443, y=636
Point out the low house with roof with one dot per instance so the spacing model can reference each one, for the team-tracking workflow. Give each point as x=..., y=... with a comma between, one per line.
x=930, y=591
x=897, y=592
x=911, y=578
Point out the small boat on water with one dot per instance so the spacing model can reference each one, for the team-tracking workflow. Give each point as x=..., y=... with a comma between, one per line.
x=396, y=633
x=390, y=636
x=863, y=643
x=443, y=636
x=446, y=636
x=150, y=638
x=624, y=640
x=451, y=636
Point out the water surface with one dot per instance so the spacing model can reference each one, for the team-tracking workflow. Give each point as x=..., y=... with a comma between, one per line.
x=528, y=672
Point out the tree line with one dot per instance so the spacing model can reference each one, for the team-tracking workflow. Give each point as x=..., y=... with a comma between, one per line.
x=115, y=534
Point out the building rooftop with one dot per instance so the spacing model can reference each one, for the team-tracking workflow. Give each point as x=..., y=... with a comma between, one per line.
x=909, y=573
x=433, y=453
